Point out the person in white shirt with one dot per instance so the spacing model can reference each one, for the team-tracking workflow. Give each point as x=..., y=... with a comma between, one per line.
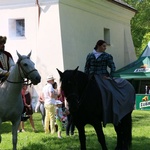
x=49, y=104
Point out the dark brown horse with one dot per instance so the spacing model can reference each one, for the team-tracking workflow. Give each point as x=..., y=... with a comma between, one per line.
x=85, y=105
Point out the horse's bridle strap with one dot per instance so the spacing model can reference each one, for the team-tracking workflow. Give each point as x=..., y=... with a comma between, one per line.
x=24, y=72
x=15, y=82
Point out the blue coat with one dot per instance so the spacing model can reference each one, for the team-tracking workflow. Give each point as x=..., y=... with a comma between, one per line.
x=99, y=65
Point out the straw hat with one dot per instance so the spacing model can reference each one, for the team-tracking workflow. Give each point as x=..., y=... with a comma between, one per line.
x=50, y=77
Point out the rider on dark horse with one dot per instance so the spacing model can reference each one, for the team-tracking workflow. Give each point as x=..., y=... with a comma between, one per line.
x=114, y=90
x=6, y=60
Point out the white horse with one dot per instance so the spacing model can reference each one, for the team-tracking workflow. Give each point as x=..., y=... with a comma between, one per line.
x=11, y=104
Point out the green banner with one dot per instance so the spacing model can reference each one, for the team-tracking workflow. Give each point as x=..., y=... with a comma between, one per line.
x=142, y=102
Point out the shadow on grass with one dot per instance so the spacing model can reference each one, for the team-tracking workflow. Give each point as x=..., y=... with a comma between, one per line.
x=72, y=143
x=6, y=127
x=136, y=143
x=140, y=143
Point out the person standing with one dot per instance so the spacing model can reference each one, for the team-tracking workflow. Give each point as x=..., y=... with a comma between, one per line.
x=70, y=127
x=55, y=90
x=34, y=96
x=28, y=107
x=6, y=60
x=48, y=93
x=98, y=61
x=59, y=117
x=42, y=109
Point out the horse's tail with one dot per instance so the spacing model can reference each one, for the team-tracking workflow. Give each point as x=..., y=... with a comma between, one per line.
x=124, y=131
x=130, y=129
x=127, y=123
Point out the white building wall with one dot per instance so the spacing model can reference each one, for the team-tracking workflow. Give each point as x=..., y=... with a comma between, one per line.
x=20, y=10
x=67, y=31
x=22, y=44
x=49, y=51
x=17, y=3
x=82, y=25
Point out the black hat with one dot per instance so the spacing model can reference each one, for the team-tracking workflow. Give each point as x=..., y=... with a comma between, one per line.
x=3, y=39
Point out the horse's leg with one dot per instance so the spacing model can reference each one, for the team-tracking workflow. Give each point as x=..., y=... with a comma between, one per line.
x=126, y=123
x=128, y=129
x=82, y=136
x=15, y=125
x=100, y=134
x=124, y=133
x=119, y=136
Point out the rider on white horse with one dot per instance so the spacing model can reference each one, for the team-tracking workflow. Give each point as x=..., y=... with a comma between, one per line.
x=6, y=60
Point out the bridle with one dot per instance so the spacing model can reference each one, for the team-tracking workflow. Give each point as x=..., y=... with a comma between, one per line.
x=26, y=74
x=79, y=100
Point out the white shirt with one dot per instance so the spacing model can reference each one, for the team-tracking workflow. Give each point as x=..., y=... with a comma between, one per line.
x=97, y=54
x=48, y=88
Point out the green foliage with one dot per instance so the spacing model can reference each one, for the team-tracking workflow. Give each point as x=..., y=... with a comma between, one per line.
x=40, y=141
x=146, y=39
x=140, y=26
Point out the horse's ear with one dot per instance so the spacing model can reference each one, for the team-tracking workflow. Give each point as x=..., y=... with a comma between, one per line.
x=29, y=54
x=60, y=73
x=75, y=71
x=77, y=68
x=18, y=54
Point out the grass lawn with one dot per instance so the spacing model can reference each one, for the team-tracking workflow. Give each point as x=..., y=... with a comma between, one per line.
x=40, y=141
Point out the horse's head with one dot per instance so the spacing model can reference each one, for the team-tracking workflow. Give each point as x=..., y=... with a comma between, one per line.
x=27, y=69
x=72, y=86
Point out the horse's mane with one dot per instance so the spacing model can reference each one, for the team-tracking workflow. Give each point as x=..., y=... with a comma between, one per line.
x=79, y=75
x=80, y=78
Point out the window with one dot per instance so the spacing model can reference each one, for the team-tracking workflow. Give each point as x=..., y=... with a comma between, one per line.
x=20, y=27
x=107, y=35
x=16, y=28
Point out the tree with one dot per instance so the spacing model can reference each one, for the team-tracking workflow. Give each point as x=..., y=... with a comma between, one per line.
x=140, y=26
